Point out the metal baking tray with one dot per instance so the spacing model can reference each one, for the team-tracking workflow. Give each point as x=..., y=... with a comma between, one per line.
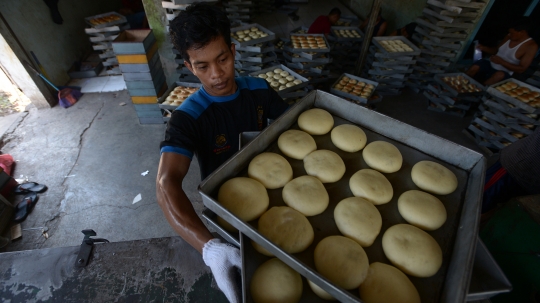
x=119, y=21
x=293, y=59
x=457, y=237
x=335, y=29
x=439, y=79
x=491, y=90
x=271, y=36
x=494, y=105
x=415, y=52
x=267, y=57
x=300, y=30
x=264, y=48
x=503, y=132
x=166, y=94
x=376, y=72
x=283, y=67
x=291, y=49
x=351, y=96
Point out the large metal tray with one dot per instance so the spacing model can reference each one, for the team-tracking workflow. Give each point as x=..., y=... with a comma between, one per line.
x=439, y=78
x=415, y=52
x=491, y=90
x=334, y=30
x=119, y=21
x=351, y=96
x=285, y=68
x=290, y=48
x=271, y=36
x=166, y=94
x=457, y=237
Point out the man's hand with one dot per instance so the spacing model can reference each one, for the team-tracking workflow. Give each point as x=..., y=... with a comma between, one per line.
x=224, y=260
x=496, y=59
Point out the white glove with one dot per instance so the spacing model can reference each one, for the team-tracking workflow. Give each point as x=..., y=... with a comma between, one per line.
x=224, y=260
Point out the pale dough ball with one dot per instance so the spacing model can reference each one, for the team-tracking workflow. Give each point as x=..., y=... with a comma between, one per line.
x=271, y=169
x=296, y=144
x=434, y=178
x=321, y=293
x=412, y=250
x=382, y=156
x=348, y=137
x=274, y=281
x=372, y=186
x=358, y=219
x=307, y=195
x=285, y=227
x=326, y=165
x=422, y=209
x=342, y=261
x=316, y=121
x=387, y=284
x=244, y=197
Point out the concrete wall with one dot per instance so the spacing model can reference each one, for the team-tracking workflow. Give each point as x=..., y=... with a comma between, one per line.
x=56, y=46
x=397, y=12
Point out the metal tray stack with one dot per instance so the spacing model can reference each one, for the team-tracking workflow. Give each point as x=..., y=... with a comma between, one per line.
x=290, y=94
x=240, y=10
x=352, y=97
x=502, y=120
x=256, y=54
x=457, y=237
x=310, y=63
x=139, y=61
x=390, y=69
x=168, y=109
x=102, y=35
x=445, y=99
x=345, y=51
x=440, y=35
x=534, y=79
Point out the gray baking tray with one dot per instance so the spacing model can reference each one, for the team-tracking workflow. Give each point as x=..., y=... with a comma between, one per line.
x=457, y=237
x=271, y=36
x=415, y=52
x=334, y=30
x=264, y=48
x=439, y=78
x=285, y=68
x=351, y=96
x=119, y=21
x=291, y=49
x=166, y=94
x=491, y=90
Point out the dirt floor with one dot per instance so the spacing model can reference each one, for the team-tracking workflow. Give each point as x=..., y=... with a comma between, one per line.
x=12, y=100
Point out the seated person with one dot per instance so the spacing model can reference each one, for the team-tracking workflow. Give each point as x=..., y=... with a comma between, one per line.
x=380, y=25
x=323, y=24
x=407, y=31
x=514, y=55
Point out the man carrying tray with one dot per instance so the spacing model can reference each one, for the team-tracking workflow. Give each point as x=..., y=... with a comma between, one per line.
x=514, y=55
x=208, y=124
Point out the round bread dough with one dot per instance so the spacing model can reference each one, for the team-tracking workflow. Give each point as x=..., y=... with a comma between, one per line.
x=285, y=227
x=385, y=283
x=372, y=186
x=321, y=293
x=297, y=81
x=434, y=178
x=316, y=121
x=382, y=156
x=342, y=261
x=244, y=197
x=274, y=281
x=326, y=165
x=296, y=144
x=412, y=250
x=422, y=209
x=348, y=137
x=271, y=169
x=358, y=219
x=307, y=195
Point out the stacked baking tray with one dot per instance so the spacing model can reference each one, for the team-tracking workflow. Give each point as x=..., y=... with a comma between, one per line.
x=257, y=52
x=534, y=79
x=239, y=10
x=346, y=42
x=338, y=88
x=138, y=57
x=457, y=237
x=289, y=93
x=166, y=108
x=390, y=69
x=441, y=32
x=310, y=62
x=444, y=98
x=104, y=28
x=502, y=119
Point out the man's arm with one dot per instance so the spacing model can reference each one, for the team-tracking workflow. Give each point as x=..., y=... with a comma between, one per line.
x=492, y=50
x=382, y=29
x=524, y=62
x=175, y=204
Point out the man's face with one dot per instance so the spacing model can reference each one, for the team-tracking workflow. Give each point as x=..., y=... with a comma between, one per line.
x=334, y=18
x=404, y=32
x=515, y=35
x=213, y=64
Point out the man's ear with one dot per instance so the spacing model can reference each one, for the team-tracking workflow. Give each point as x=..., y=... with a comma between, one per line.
x=189, y=66
x=233, y=49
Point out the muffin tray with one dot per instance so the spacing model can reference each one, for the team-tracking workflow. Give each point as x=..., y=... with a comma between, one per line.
x=491, y=90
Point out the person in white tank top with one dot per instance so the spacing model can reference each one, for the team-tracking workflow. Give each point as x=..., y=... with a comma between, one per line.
x=514, y=55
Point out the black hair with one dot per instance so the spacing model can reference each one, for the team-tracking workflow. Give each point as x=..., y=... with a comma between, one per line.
x=410, y=28
x=198, y=25
x=522, y=24
x=335, y=11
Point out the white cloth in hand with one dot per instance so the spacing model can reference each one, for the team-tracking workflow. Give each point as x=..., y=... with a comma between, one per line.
x=224, y=260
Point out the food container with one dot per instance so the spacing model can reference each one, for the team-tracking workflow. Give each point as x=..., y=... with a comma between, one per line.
x=271, y=36
x=289, y=47
x=167, y=93
x=439, y=79
x=414, y=52
x=121, y=19
x=351, y=96
x=291, y=72
x=457, y=237
x=493, y=91
x=338, y=37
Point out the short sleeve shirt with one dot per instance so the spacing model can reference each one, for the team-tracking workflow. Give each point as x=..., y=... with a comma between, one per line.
x=209, y=126
x=321, y=25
